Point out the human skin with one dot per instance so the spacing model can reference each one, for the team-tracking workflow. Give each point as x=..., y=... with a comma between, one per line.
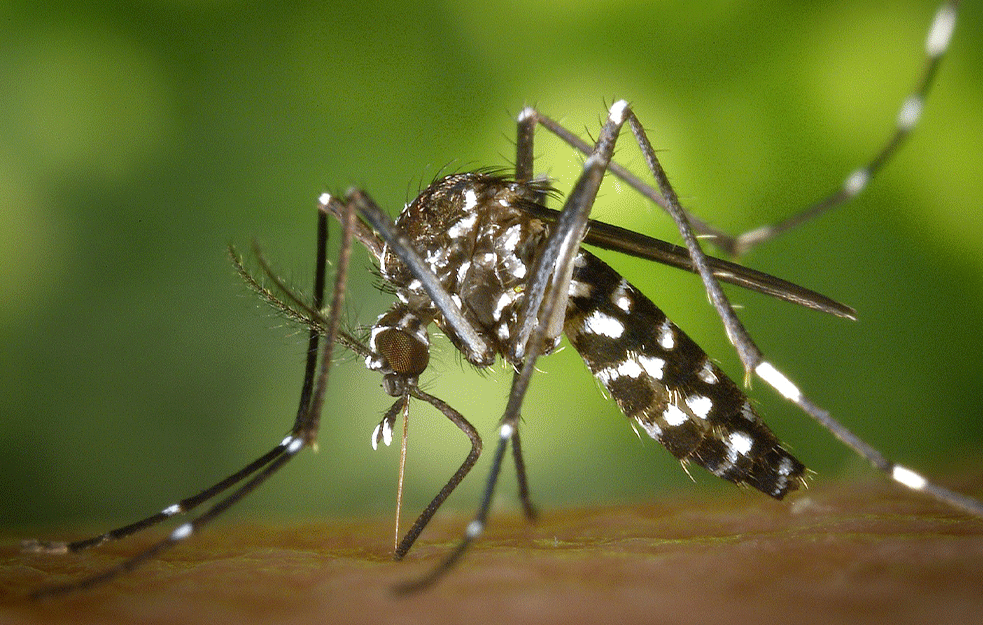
x=839, y=552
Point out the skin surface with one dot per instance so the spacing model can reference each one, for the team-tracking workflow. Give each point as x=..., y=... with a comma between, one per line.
x=843, y=552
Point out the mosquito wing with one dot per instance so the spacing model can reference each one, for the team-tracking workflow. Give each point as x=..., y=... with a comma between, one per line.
x=609, y=237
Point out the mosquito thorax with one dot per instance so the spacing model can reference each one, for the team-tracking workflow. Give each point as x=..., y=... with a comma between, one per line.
x=473, y=234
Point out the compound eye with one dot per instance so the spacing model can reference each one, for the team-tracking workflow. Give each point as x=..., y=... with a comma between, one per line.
x=407, y=355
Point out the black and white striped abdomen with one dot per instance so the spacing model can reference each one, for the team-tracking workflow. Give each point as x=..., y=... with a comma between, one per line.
x=665, y=382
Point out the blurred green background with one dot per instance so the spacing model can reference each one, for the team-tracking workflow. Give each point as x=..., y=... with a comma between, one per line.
x=139, y=138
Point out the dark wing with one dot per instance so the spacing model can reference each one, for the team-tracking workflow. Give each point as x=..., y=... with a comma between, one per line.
x=609, y=237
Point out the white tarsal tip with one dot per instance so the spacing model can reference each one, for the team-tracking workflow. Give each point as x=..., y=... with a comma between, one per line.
x=474, y=529
x=324, y=199
x=295, y=445
x=940, y=33
x=908, y=477
x=910, y=112
x=757, y=234
x=618, y=111
x=526, y=113
x=506, y=431
x=181, y=532
x=171, y=510
x=286, y=440
x=777, y=379
x=856, y=182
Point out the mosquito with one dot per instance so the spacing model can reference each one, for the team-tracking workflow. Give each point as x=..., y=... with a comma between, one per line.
x=480, y=256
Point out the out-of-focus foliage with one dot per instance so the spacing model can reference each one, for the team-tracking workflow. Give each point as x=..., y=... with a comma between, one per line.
x=139, y=138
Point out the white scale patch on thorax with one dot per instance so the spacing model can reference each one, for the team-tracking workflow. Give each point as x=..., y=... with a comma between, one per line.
x=470, y=200
x=504, y=300
x=511, y=237
x=464, y=226
x=462, y=270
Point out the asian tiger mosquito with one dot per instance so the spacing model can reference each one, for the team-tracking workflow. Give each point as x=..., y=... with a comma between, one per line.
x=523, y=281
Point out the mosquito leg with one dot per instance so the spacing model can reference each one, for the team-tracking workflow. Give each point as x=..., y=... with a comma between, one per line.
x=475, y=527
x=185, y=505
x=302, y=435
x=457, y=419
x=542, y=317
x=190, y=503
x=307, y=422
x=520, y=472
x=302, y=421
x=608, y=236
x=753, y=359
x=936, y=45
x=525, y=135
x=182, y=532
